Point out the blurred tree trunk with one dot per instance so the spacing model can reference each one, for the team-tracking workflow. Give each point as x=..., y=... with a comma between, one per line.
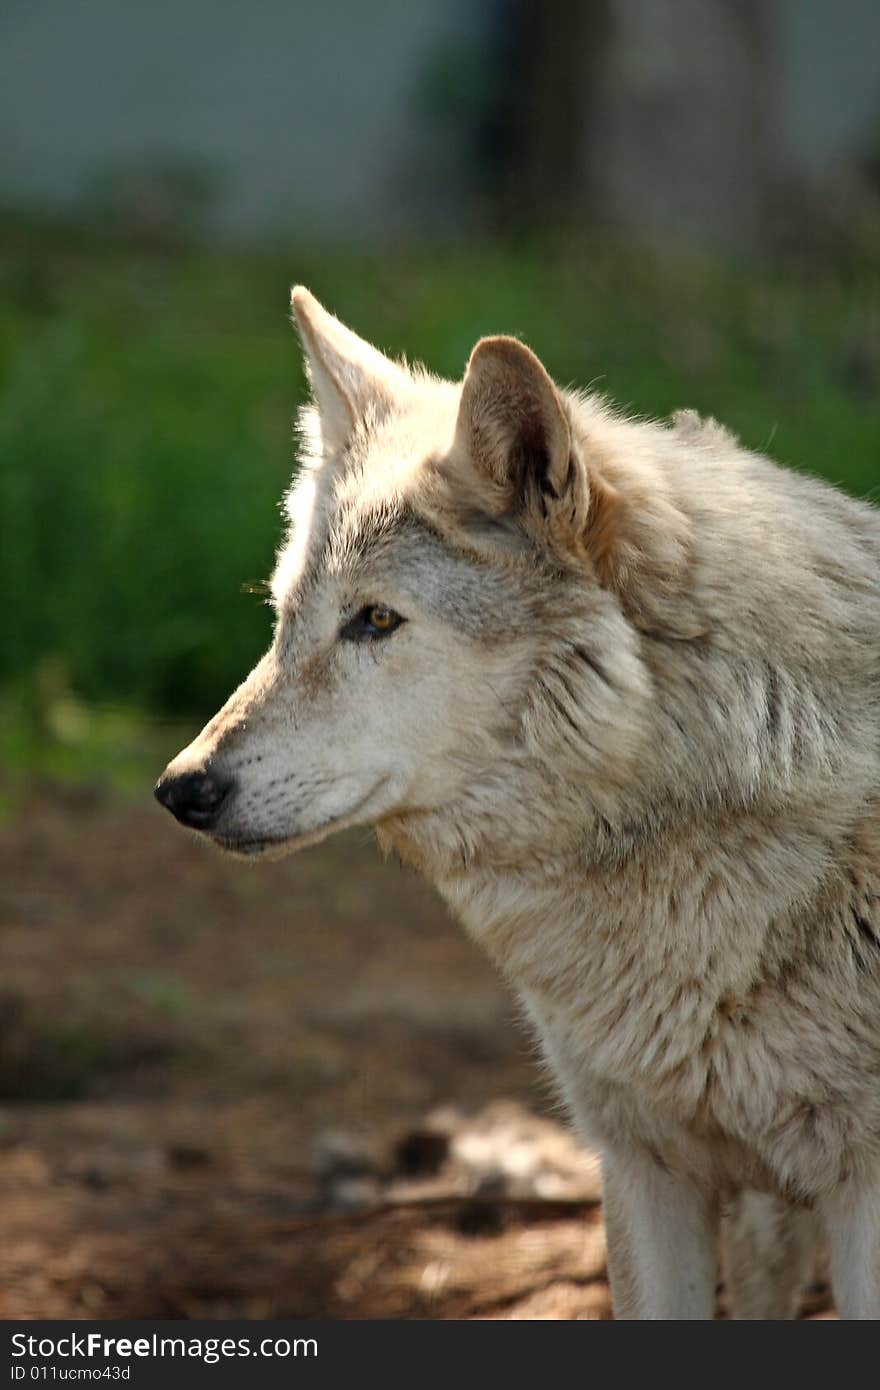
x=549, y=53
x=661, y=115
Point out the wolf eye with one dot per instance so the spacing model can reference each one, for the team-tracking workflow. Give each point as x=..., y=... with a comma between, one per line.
x=381, y=618
x=376, y=620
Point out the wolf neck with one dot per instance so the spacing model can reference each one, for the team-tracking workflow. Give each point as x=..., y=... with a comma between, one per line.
x=697, y=906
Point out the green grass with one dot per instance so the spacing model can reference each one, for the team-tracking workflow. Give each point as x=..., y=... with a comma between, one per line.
x=146, y=405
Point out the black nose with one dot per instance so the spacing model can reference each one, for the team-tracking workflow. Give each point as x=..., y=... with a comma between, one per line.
x=194, y=798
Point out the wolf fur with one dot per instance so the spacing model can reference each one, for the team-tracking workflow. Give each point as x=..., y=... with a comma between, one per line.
x=630, y=728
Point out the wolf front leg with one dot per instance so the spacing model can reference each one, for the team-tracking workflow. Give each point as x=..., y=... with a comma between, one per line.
x=852, y=1223
x=768, y=1253
x=662, y=1237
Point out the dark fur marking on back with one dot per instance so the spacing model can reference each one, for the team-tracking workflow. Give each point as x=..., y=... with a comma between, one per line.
x=554, y=700
x=773, y=703
x=868, y=937
x=563, y=680
x=866, y=931
x=593, y=663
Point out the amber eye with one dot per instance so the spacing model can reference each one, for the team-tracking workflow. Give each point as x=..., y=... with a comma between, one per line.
x=382, y=619
x=374, y=621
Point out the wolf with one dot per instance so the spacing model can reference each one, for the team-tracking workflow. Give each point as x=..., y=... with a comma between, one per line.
x=613, y=686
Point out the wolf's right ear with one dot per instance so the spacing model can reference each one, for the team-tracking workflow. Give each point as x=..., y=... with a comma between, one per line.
x=351, y=381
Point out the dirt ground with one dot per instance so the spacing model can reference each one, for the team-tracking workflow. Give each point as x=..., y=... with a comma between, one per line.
x=278, y=1091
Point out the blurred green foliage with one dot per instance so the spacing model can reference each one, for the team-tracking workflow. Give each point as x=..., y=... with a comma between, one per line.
x=146, y=402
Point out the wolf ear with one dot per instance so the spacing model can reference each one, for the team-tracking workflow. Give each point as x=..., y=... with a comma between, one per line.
x=351, y=381
x=584, y=491
x=511, y=421
x=513, y=426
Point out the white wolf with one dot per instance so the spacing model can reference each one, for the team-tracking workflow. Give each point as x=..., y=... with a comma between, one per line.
x=614, y=686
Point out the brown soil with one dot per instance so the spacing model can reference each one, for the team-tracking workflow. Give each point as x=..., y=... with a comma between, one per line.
x=228, y=1091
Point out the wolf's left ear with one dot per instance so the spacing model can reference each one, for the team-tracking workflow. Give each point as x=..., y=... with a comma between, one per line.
x=514, y=427
x=351, y=381
x=590, y=499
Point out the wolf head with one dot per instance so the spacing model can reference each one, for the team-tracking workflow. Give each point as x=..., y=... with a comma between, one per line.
x=459, y=598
